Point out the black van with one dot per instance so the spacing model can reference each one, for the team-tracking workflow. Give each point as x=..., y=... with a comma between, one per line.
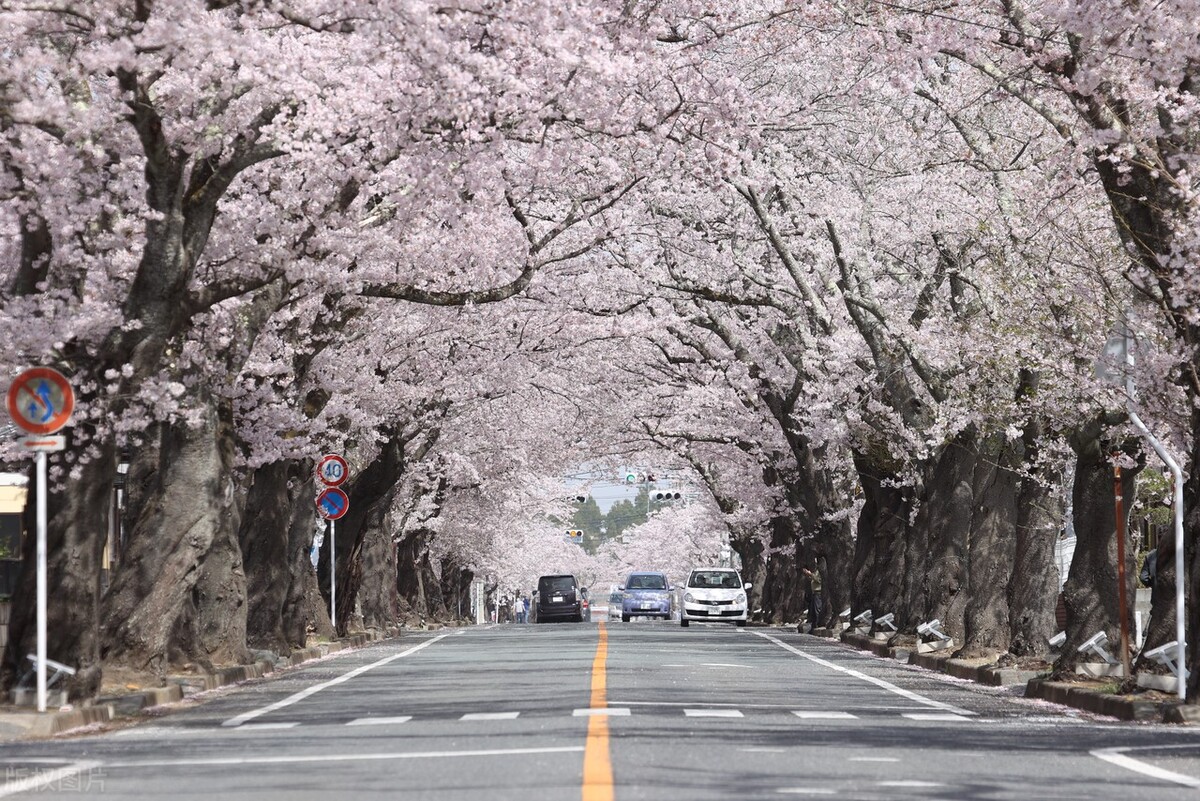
x=559, y=598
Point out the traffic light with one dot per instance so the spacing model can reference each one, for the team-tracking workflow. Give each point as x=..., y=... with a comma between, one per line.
x=631, y=478
x=580, y=498
x=574, y=535
x=664, y=497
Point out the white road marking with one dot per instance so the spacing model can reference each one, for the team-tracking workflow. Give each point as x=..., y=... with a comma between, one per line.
x=41, y=780
x=942, y=716
x=490, y=716
x=712, y=713
x=873, y=759
x=245, y=717
x=764, y=750
x=262, y=726
x=723, y=664
x=910, y=783
x=698, y=704
x=917, y=697
x=380, y=721
x=805, y=791
x=1117, y=756
x=815, y=714
x=276, y=760
x=601, y=710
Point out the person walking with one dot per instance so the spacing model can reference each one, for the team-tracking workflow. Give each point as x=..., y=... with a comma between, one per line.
x=816, y=602
x=519, y=608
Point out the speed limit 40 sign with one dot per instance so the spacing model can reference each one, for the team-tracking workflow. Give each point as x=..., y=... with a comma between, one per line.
x=332, y=470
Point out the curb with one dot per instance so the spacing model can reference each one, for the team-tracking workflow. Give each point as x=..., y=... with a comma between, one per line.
x=1122, y=707
x=59, y=722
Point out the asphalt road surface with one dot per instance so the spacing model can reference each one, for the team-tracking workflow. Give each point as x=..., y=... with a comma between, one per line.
x=627, y=711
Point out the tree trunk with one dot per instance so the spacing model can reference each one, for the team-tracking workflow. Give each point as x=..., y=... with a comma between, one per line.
x=373, y=486
x=945, y=519
x=992, y=546
x=187, y=510
x=379, y=595
x=1033, y=588
x=782, y=598
x=456, y=588
x=1191, y=561
x=76, y=533
x=408, y=577
x=750, y=552
x=264, y=541
x=1090, y=594
x=836, y=559
x=882, y=537
x=284, y=603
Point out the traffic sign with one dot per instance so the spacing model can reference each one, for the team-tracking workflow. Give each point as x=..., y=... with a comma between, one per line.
x=40, y=400
x=332, y=503
x=332, y=470
x=50, y=444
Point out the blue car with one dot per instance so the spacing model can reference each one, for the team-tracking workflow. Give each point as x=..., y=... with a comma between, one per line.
x=646, y=595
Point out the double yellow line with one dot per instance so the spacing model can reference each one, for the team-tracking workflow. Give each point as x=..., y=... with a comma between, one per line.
x=597, y=766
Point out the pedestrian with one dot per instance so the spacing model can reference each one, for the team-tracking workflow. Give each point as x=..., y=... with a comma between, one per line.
x=815, y=601
x=1150, y=572
x=519, y=608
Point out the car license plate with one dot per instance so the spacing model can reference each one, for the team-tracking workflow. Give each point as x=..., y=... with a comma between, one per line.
x=647, y=605
x=557, y=599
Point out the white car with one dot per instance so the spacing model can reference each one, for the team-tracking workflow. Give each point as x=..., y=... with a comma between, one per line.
x=714, y=594
x=615, y=599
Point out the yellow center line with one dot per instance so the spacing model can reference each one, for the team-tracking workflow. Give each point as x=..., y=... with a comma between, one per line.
x=597, y=769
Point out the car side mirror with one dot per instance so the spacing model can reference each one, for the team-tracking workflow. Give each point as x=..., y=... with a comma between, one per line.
x=747, y=586
x=621, y=587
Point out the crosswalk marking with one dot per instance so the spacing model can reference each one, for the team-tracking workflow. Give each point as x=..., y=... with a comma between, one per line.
x=623, y=711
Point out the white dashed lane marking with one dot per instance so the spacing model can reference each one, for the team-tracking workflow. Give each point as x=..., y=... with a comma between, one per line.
x=380, y=721
x=938, y=716
x=490, y=716
x=816, y=714
x=713, y=713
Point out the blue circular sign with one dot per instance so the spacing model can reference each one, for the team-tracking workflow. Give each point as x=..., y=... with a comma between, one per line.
x=332, y=503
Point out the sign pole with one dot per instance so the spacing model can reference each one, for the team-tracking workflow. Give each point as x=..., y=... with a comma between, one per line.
x=41, y=582
x=333, y=573
x=40, y=401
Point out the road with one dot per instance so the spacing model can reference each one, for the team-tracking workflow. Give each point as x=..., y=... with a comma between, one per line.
x=627, y=711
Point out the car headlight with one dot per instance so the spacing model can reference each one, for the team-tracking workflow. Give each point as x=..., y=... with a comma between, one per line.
x=689, y=598
x=741, y=597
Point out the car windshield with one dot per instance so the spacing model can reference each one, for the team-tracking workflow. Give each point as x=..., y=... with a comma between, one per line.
x=715, y=579
x=646, y=582
x=555, y=585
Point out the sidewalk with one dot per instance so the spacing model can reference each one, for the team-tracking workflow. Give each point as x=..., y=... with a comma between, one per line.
x=1144, y=707
x=23, y=723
